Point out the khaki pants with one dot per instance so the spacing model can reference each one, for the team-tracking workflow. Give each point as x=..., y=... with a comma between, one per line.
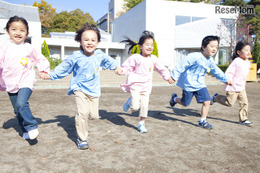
x=87, y=109
x=230, y=99
x=140, y=100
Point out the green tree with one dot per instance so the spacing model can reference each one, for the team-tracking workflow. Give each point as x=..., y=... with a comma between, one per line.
x=70, y=21
x=46, y=13
x=131, y=3
x=256, y=52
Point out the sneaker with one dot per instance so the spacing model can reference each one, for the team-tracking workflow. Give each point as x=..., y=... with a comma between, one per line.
x=26, y=135
x=141, y=128
x=33, y=134
x=82, y=145
x=213, y=98
x=172, y=102
x=126, y=106
x=246, y=122
x=204, y=124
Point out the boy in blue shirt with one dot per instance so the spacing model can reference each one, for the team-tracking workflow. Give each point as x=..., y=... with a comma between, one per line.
x=85, y=82
x=190, y=76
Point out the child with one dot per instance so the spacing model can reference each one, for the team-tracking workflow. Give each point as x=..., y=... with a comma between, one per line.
x=85, y=82
x=237, y=71
x=17, y=74
x=139, y=70
x=190, y=76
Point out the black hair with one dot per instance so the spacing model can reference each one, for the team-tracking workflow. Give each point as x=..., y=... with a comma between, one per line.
x=240, y=45
x=86, y=27
x=16, y=19
x=208, y=39
x=145, y=35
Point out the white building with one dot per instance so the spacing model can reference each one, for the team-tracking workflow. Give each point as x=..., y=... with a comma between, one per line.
x=61, y=45
x=173, y=22
x=29, y=13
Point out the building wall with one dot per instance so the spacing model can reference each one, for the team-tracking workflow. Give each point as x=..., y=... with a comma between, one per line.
x=159, y=16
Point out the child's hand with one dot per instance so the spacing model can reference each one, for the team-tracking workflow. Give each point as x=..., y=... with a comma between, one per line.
x=229, y=82
x=118, y=70
x=171, y=81
x=44, y=75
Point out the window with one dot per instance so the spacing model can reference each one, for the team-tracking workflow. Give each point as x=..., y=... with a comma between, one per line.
x=182, y=20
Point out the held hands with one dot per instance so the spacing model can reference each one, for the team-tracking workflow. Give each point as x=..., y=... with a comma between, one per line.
x=44, y=75
x=118, y=70
x=171, y=80
x=229, y=82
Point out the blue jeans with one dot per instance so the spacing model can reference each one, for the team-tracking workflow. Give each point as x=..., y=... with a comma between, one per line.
x=22, y=110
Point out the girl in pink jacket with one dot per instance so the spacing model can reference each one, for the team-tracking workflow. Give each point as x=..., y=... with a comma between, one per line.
x=17, y=74
x=139, y=70
x=237, y=71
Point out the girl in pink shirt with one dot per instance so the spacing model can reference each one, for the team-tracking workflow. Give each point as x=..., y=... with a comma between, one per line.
x=139, y=70
x=237, y=71
x=17, y=74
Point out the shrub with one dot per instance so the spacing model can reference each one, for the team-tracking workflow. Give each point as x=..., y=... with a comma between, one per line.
x=46, y=52
x=54, y=62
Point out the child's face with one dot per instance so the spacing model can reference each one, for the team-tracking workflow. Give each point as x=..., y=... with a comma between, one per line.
x=245, y=52
x=211, y=49
x=17, y=32
x=147, y=47
x=89, y=42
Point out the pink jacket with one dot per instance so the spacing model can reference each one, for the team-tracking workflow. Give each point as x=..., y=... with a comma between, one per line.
x=238, y=71
x=139, y=71
x=13, y=74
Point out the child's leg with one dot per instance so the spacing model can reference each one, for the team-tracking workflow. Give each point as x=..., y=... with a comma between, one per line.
x=205, y=109
x=243, y=106
x=94, y=103
x=13, y=99
x=24, y=113
x=81, y=119
x=228, y=100
x=135, y=103
x=144, y=106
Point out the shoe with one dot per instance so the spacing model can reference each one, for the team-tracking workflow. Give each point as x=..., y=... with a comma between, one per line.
x=204, y=124
x=213, y=98
x=82, y=145
x=142, y=129
x=246, y=122
x=33, y=134
x=26, y=135
x=172, y=102
x=126, y=106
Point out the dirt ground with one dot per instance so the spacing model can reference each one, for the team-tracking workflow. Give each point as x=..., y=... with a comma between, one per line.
x=174, y=142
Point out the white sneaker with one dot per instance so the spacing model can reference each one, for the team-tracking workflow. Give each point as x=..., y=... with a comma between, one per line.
x=246, y=122
x=26, y=135
x=33, y=134
x=142, y=129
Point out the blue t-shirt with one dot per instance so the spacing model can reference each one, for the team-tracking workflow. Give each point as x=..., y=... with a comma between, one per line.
x=85, y=69
x=190, y=72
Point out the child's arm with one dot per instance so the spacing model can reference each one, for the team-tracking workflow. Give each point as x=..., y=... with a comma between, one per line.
x=41, y=62
x=219, y=74
x=118, y=70
x=163, y=71
x=182, y=66
x=129, y=65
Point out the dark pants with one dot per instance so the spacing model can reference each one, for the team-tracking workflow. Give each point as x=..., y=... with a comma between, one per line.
x=22, y=110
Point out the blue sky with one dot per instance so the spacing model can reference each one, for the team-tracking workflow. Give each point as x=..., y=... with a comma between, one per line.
x=96, y=8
